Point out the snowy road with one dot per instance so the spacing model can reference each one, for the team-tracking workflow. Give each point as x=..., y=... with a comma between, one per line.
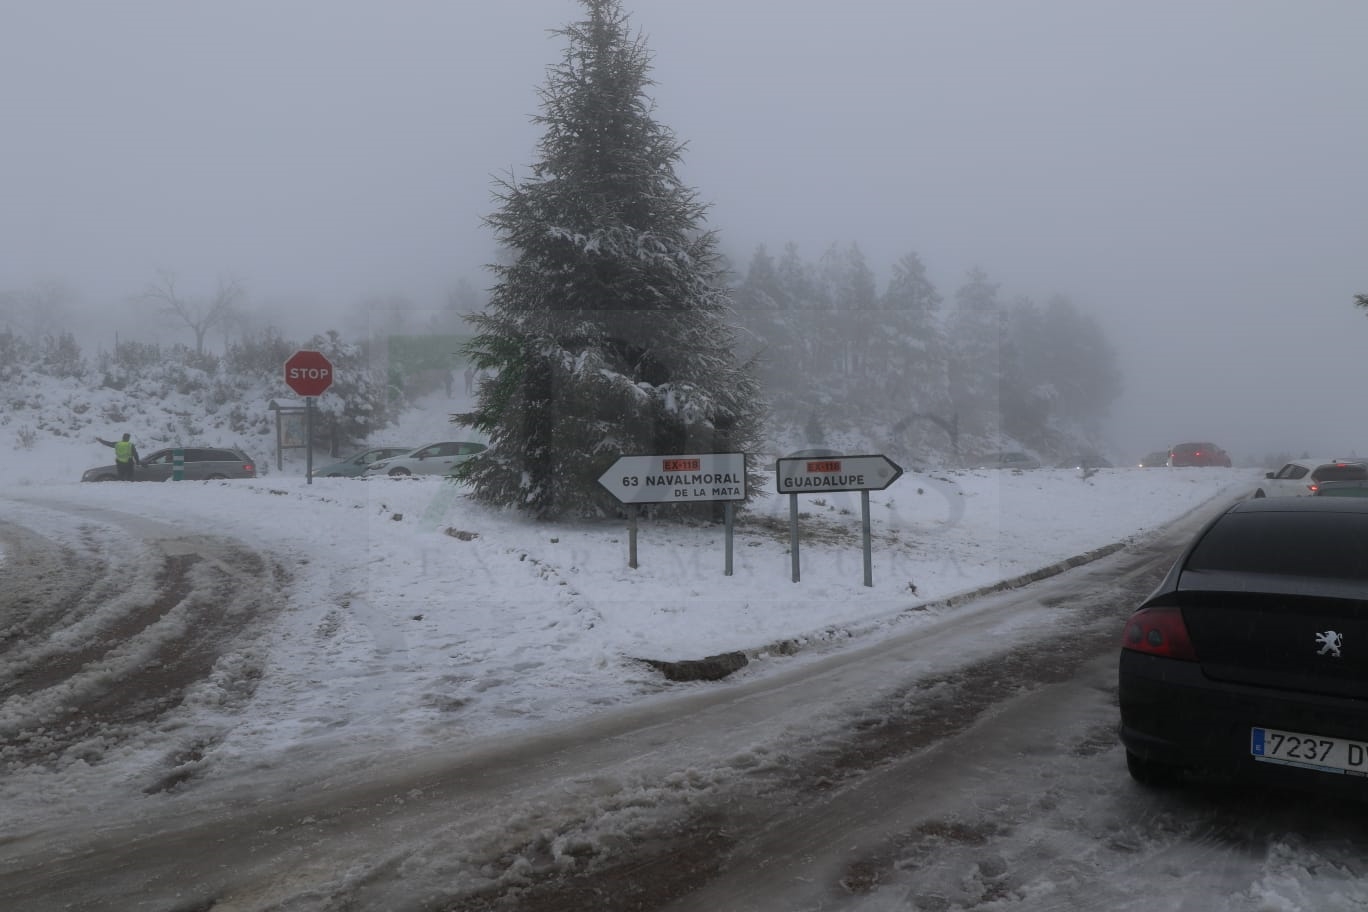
x=969, y=764
x=109, y=620
x=991, y=782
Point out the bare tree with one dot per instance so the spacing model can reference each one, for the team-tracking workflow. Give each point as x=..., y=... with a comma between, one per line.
x=199, y=315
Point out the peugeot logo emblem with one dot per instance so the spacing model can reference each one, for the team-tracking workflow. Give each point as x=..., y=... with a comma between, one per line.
x=1330, y=642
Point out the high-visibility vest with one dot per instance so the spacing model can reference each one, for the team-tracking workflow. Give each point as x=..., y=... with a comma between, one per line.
x=123, y=451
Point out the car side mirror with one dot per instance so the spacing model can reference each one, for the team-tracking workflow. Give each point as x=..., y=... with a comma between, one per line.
x=1268, y=474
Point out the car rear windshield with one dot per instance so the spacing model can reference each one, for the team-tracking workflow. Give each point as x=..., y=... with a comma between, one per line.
x=1329, y=545
x=1350, y=471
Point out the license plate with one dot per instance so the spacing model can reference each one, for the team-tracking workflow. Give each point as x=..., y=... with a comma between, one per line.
x=1329, y=755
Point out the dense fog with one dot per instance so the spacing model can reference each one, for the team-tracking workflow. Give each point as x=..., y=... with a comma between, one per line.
x=1189, y=175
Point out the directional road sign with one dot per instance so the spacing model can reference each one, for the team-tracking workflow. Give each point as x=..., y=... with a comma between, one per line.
x=818, y=474
x=675, y=479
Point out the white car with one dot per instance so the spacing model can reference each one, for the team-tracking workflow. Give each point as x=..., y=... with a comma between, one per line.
x=1300, y=477
x=432, y=459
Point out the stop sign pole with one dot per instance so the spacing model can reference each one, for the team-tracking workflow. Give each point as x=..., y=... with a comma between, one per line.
x=308, y=374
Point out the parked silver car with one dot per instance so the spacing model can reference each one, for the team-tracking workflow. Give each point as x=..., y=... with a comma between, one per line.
x=432, y=459
x=199, y=464
x=355, y=465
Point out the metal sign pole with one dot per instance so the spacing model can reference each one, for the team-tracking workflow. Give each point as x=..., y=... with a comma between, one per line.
x=864, y=526
x=793, y=535
x=308, y=439
x=631, y=536
x=729, y=510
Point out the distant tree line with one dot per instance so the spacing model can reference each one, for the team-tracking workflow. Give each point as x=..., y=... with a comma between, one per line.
x=833, y=350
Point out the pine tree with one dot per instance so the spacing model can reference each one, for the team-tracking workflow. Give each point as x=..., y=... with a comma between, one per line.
x=1029, y=397
x=1060, y=374
x=805, y=306
x=1083, y=364
x=853, y=292
x=911, y=350
x=607, y=330
x=762, y=308
x=975, y=363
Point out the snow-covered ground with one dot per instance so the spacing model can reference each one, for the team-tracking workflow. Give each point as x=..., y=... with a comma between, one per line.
x=418, y=619
x=416, y=616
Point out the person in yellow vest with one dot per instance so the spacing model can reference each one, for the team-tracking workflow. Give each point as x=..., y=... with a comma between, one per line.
x=125, y=456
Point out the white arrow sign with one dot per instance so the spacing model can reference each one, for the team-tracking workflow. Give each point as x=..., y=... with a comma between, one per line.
x=672, y=479
x=816, y=474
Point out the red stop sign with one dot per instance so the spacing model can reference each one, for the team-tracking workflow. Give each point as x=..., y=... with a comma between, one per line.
x=308, y=373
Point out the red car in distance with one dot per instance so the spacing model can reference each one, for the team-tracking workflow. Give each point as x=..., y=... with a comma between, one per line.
x=1198, y=454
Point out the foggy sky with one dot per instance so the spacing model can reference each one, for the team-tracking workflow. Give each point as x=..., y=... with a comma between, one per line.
x=1191, y=173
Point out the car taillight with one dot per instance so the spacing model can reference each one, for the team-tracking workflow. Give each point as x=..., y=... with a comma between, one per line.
x=248, y=467
x=1159, y=631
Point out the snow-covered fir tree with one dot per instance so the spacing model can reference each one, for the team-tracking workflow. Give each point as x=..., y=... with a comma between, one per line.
x=975, y=336
x=853, y=292
x=608, y=329
x=1065, y=370
x=911, y=352
x=765, y=317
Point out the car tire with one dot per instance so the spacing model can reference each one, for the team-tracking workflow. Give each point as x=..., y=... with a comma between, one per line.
x=399, y=473
x=334, y=474
x=1151, y=773
x=215, y=477
x=1260, y=493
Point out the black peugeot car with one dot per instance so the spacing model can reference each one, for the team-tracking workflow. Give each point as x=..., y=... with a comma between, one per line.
x=1250, y=660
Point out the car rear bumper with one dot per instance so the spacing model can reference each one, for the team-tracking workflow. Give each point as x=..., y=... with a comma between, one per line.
x=1172, y=713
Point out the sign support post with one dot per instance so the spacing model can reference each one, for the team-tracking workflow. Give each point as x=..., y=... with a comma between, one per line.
x=631, y=535
x=308, y=438
x=729, y=511
x=864, y=528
